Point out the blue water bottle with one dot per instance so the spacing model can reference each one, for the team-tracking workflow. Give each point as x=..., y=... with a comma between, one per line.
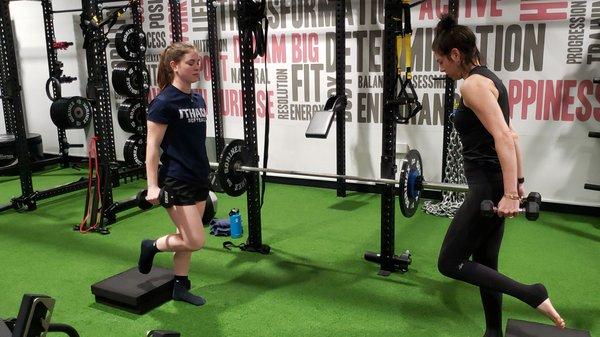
x=235, y=220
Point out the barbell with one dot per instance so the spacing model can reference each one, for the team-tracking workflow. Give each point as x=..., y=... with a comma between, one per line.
x=236, y=161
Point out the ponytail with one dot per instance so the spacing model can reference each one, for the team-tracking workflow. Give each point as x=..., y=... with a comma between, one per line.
x=174, y=52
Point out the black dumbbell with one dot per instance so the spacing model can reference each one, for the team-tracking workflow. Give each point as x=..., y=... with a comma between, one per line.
x=142, y=203
x=165, y=199
x=535, y=197
x=531, y=209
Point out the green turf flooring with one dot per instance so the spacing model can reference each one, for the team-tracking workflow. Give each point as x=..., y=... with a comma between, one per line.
x=314, y=283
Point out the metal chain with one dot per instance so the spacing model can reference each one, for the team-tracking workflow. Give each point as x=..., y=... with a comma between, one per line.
x=455, y=173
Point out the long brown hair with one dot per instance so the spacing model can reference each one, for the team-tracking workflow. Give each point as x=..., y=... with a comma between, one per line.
x=174, y=52
x=449, y=34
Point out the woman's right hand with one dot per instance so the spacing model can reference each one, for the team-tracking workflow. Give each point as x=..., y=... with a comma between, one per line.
x=508, y=208
x=152, y=195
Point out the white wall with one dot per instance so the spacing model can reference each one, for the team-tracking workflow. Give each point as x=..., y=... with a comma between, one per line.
x=559, y=157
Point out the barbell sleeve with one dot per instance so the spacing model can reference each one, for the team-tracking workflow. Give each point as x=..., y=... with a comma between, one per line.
x=444, y=186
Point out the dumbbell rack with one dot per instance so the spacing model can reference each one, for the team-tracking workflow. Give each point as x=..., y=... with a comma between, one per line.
x=593, y=134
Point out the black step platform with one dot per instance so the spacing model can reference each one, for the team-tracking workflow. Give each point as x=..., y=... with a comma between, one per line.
x=517, y=328
x=136, y=292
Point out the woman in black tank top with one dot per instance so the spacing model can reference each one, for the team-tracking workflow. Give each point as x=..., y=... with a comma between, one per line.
x=493, y=168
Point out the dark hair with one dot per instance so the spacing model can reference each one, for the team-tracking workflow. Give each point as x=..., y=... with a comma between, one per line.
x=449, y=34
x=174, y=52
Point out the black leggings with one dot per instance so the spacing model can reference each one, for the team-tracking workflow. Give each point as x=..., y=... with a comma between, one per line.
x=472, y=235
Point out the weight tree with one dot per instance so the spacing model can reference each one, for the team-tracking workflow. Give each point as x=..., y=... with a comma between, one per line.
x=98, y=92
x=103, y=212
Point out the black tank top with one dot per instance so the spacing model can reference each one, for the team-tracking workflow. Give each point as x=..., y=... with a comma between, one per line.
x=478, y=143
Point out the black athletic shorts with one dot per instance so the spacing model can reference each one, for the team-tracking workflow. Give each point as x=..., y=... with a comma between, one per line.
x=184, y=193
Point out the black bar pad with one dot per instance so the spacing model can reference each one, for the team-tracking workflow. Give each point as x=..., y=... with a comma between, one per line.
x=136, y=292
x=321, y=121
x=592, y=187
x=518, y=328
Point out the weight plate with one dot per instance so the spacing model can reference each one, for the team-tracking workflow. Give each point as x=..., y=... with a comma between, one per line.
x=132, y=116
x=130, y=42
x=410, y=175
x=71, y=112
x=210, y=208
x=8, y=154
x=233, y=181
x=130, y=79
x=134, y=150
x=214, y=182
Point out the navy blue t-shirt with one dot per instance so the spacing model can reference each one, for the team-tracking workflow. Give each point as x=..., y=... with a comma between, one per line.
x=184, y=144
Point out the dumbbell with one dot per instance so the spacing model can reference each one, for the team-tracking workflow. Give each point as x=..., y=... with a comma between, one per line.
x=534, y=197
x=165, y=199
x=531, y=207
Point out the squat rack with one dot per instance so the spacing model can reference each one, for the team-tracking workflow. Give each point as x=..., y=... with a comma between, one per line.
x=388, y=261
x=15, y=119
x=12, y=104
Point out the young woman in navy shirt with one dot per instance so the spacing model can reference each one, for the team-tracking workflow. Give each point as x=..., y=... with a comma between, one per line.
x=177, y=126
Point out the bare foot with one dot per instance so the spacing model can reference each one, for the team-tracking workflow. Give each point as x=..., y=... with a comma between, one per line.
x=547, y=309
